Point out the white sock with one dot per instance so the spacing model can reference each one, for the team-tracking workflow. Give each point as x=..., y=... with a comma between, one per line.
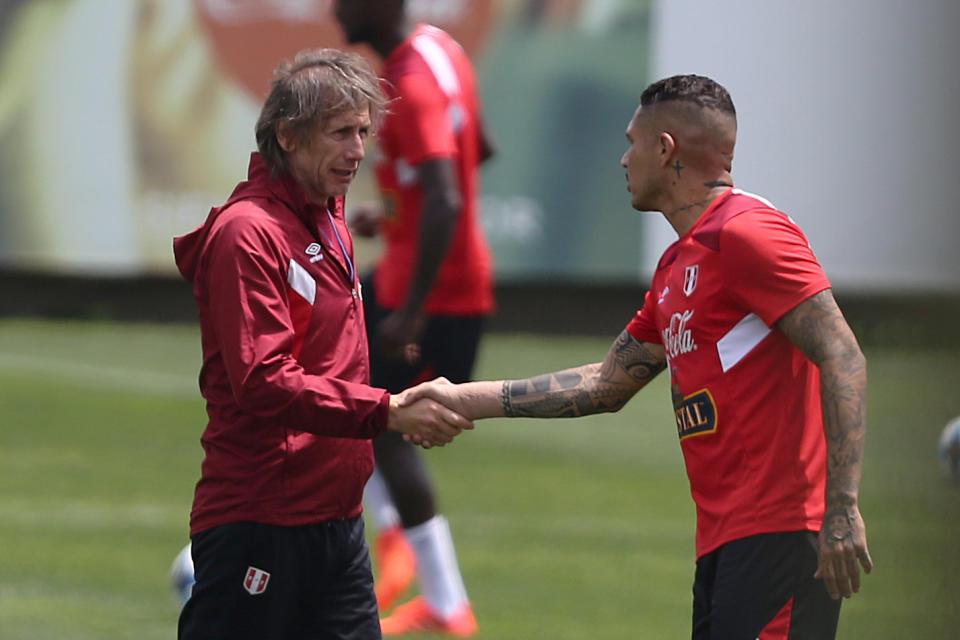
x=440, y=580
x=376, y=495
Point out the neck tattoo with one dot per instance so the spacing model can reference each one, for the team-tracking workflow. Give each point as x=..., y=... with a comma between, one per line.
x=717, y=183
x=699, y=203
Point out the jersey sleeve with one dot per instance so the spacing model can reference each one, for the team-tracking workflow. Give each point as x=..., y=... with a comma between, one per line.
x=641, y=326
x=771, y=266
x=421, y=121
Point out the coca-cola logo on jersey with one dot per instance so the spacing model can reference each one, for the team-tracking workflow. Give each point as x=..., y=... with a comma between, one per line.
x=677, y=338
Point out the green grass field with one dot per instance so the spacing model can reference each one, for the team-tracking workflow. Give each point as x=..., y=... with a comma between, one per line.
x=565, y=529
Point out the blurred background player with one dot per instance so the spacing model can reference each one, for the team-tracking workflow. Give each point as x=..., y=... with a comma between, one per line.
x=431, y=289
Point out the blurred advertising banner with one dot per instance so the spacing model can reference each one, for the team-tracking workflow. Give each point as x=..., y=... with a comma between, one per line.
x=123, y=121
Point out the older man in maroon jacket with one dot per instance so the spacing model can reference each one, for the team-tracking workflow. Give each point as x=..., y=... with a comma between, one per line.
x=278, y=543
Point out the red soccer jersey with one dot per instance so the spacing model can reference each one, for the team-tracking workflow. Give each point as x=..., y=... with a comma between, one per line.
x=747, y=401
x=435, y=113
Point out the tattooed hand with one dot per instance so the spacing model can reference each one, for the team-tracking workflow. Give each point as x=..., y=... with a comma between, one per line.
x=842, y=544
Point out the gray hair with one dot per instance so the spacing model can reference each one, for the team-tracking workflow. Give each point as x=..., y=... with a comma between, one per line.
x=316, y=85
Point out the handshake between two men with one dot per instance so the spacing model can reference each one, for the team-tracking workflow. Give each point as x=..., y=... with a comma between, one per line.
x=433, y=413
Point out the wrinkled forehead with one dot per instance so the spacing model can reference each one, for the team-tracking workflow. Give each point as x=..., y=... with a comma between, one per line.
x=347, y=117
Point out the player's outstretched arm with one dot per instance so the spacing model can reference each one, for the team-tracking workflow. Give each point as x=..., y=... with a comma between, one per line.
x=601, y=387
x=817, y=327
x=593, y=388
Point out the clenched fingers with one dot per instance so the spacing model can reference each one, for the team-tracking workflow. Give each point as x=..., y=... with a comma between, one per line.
x=434, y=424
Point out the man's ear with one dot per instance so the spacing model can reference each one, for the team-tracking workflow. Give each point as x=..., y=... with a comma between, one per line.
x=287, y=142
x=668, y=146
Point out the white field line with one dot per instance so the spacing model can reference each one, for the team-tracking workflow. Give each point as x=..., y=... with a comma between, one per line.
x=88, y=515
x=98, y=376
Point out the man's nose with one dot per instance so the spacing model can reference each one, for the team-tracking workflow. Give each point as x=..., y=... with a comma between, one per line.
x=356, y=150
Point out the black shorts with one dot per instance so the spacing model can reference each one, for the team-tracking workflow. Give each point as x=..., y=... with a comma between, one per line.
x=448, y=348
x=763, y=587
x=268, y=582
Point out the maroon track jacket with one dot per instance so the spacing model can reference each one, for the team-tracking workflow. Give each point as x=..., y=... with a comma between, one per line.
x=285, y=365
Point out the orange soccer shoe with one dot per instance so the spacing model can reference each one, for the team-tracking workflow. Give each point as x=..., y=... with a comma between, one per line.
x=417, y=615
x=396, y=566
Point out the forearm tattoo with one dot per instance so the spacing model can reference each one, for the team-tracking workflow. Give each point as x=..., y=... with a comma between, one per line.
x=548, y=395
x=593, y=388
x=556, y=395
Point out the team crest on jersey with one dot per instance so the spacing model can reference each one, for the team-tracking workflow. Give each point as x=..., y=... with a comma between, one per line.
x=696, y=414
x=690, y=275
x=256, y=581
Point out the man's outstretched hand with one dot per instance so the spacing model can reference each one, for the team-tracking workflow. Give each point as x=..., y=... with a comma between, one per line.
x=425, y=421
x=472, y=400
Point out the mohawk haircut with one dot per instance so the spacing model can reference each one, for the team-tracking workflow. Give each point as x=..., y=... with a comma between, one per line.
x=693, y=89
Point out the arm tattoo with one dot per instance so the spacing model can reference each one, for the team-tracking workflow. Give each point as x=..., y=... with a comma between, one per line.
x=818, y=329
x=557, y=395
x=635, y=358
x=593, y=388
